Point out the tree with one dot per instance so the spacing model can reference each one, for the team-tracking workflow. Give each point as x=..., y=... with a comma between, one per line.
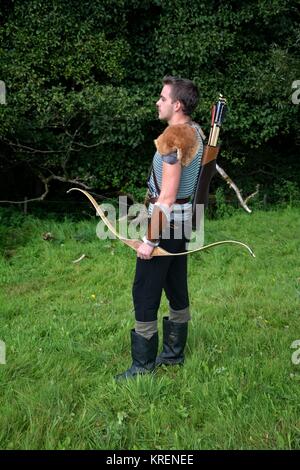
x=82, y=81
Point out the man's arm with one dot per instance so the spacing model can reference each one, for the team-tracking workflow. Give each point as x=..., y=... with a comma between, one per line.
x=170, y=183
x=161, y=211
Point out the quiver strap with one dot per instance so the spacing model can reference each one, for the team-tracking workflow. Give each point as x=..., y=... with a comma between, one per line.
x=206, y=172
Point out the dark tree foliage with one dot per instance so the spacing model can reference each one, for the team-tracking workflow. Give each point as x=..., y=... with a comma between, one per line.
x=82, y=79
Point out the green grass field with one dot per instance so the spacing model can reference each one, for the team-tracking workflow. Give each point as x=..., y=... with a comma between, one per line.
x=66, y=330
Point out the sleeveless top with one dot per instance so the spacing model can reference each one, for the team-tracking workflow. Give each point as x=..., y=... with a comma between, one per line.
x=187, y=183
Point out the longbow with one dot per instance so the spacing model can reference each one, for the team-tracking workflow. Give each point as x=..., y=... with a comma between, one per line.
x=134, y=244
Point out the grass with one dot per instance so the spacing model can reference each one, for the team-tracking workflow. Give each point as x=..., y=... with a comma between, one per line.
x=66, y=329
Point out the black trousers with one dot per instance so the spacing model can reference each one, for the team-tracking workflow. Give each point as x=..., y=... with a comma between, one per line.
x=168, y=273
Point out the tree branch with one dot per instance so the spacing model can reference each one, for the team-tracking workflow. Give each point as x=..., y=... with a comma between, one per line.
x=32, y=150
x=46, y=182
x=236, y=189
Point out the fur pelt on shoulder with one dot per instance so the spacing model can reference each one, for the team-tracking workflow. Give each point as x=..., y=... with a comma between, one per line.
x=181, y=137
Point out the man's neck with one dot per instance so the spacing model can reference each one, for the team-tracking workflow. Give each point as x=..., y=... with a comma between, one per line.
x=181, y=119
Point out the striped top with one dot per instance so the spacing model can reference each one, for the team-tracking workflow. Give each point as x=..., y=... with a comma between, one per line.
x=187, y=183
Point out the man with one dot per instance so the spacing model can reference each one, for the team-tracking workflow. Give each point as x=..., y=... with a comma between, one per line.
x=171, y=184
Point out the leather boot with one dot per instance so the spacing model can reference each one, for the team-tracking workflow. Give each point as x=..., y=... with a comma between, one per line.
x=174, y=341
x=143, y=352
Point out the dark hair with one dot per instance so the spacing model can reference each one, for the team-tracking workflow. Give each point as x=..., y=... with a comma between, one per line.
x=183, y=90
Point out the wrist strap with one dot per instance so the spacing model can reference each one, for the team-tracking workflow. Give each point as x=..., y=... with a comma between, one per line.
x=148, y=242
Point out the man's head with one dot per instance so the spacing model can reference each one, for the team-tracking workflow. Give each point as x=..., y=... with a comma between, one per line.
x=179, y=97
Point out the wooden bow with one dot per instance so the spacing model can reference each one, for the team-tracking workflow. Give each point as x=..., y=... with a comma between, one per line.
x=157, y=251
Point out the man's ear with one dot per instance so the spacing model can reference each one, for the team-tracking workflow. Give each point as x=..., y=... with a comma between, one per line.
x=178, y=106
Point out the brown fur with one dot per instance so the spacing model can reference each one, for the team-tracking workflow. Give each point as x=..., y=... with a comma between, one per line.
x=181, y=137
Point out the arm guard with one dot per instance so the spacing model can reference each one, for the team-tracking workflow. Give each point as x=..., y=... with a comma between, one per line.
x=158, y=222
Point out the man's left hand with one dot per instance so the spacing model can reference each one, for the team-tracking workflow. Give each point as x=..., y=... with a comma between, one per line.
x=144, y=251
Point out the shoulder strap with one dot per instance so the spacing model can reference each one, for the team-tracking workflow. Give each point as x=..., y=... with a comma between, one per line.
x=155, y=181
x=200, y=131
x=203, y=137
x=152, y=172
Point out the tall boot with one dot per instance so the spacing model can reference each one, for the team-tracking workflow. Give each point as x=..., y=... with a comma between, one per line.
x=174, y=341
x=143, y=352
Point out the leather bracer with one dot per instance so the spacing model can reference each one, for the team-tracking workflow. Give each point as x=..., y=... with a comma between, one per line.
x=158, y=222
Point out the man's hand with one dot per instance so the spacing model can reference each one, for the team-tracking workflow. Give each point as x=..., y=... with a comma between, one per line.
x=144, y=251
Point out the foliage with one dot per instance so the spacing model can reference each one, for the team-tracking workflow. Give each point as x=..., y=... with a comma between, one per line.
x=288, y=193
x=82, y=81
x=223, y=209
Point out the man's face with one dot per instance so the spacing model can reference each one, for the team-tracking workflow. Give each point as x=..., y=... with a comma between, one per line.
x=165, y=105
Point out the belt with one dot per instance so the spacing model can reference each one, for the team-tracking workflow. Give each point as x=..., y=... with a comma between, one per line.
x=152, y=200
